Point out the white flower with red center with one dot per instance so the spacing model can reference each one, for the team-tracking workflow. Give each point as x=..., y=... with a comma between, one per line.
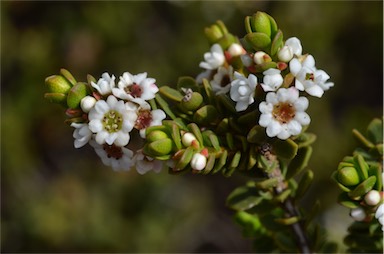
x=117, y=157
x=213, y=59
x=111, y=121
x=272, y=80
x=145, y=164
x=242, y=90
x=221, y=82
x=105, y=84
x=308, y=78
x=283, y=113
x=82, y=134
x=147, y=117
x=136, y=88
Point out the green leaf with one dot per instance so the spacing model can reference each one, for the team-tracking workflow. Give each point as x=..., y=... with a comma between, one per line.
x=187, y=82
x=277, y=42
x=273, y=25
x=363, y=188
x=305, y=139
x=375, y=131
x=267, y=184
x=280, y=198
x=259, y=41
x=250, y=223
x=361, y=166
x=214, y=141
x=209, y=92
x=256, y=135
x=286, y=149
x=304, y=184
x=206, y=115
x=375, y=170
x=233, y=165
x=210, y=164
x=285, y=242
x=185, y=159
x=344, y=200
x=220, y=162
x=76, y=94
x=362, y=139
x=299, y=162
x=171, y=93
x=226, y=102
x=222, y=127
x=164, y=105
x=196, y=131
x=176, y=136
x=243, y=198
x=68, y=76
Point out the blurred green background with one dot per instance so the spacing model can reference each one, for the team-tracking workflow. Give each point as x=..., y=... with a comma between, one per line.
x=55, y=198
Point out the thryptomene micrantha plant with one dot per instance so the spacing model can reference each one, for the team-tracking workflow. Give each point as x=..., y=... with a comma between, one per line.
x=245, y=113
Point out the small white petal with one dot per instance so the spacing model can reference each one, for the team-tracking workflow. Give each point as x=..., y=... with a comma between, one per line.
x=95, y=125
x=295, y=66
x=265, y=108
x=241, y=106
x=303, y=118
x=265, y=120
x=122, y=139
x=101, y=107
x=301, y=104
x=284, y=133
x=111, y=138
x=273, y=129
x=294, y=128
x=101, y=136
x=295, y=44
x=315, y=90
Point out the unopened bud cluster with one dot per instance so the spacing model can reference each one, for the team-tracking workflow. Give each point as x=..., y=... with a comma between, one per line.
x=361, y=177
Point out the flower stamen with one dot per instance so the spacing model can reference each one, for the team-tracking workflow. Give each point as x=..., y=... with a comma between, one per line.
x=283, y=112
x=113, y=151
x=112, y=121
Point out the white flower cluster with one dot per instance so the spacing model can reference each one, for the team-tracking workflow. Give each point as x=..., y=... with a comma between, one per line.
x=283, y=111
x=113, y=112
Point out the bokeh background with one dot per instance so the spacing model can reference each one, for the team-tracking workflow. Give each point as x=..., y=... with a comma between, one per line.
x=55, y=198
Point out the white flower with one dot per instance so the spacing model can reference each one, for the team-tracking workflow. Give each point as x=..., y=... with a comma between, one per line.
x=111, y=121
x=236, y=49
x=283, y=113
x=379, y=215
x=308, y=78
x=117, y=157
x=145, y=164
x=82, y=134
x=87, y=103
x=294, y=45
x=272, y=80
x=136, y=88
x=147, y=117
x=242, y=90
x=214, y=58
x=221, y=82
x=104, y=84
x=188, y=138
x=198, y=161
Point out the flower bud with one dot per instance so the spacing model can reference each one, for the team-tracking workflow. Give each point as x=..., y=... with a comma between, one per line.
x=261, y=57
x=58, y=84
x=159, y=147
x=285, y=54
x=188, y=138
x=262, y=23
x=192, y=101
x=156, y=135
x=372, y=197
x=358, y=214
x=348, y=176
x=198, y=161
x=76, y=94
x=215, y=32
x=87, y=103
x=236, y=50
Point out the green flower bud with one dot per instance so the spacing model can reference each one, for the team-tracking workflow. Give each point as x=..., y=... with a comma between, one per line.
x=192, y=101
x=156, y=135
x=76, y=94
x=261, y=22
x=348, y=176
x=215, y=32
x=58, y=84
x=159, y=147
x=258, y=41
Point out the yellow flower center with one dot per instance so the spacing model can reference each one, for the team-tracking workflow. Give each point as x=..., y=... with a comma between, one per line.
x=112, y=121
